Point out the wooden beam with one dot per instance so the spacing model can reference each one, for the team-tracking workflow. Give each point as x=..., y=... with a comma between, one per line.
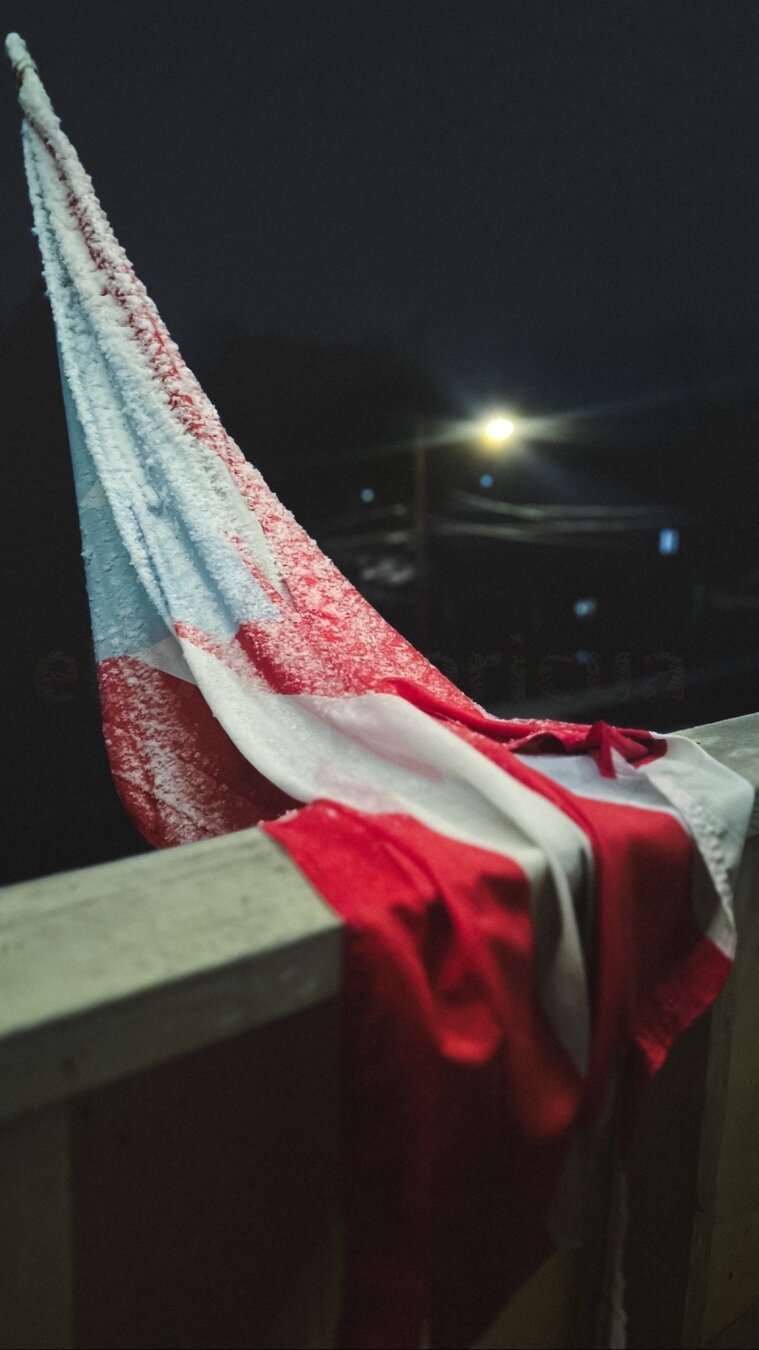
x=35, y=1232
x=724, y=1254
x=111, y=969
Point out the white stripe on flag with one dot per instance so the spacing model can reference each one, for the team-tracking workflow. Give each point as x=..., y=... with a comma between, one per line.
x=711, y=802
x=378, y=753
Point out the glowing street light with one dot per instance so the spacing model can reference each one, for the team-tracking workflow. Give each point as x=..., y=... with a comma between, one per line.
x=498, y=429
x=493, y=432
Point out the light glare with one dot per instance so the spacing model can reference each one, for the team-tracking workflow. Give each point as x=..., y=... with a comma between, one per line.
x=669, y=541
x=498, y=430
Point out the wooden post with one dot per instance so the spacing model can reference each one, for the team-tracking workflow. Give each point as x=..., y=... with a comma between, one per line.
x=724, y=1257
x=35, y=1232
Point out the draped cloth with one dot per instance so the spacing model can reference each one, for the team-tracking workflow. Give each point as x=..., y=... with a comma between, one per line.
x=527, y=904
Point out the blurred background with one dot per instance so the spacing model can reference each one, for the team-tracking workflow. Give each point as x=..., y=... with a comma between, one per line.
x=475, y=286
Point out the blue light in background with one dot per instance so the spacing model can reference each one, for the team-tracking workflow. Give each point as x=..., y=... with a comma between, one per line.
x=367, y=494
x=585, y=608
x=669, y=541
x=487, y=480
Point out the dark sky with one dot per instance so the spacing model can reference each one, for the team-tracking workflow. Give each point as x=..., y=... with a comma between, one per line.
x=555, y=187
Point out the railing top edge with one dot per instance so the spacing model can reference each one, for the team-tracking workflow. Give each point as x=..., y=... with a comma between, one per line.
x=109, y=969
x=119, y=965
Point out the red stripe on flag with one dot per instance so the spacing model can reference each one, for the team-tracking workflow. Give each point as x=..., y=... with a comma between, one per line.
x=649, y=954
x=459, y=1097
x=177, y=772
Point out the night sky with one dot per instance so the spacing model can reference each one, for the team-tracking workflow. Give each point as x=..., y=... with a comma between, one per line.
x=557, y=189
x=345, y=211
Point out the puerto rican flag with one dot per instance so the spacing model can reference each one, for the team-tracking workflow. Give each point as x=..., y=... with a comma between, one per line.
x=527, y=905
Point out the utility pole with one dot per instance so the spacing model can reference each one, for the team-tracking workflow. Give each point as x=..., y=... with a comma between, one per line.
x=420, y=531
x=419, y=516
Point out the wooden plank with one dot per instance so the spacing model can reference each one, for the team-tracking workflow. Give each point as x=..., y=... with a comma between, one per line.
x=724, y=1280
x=742, y=1334
x=35, y=1232
x=738, y=1189
x=107, y=970
x=205, y=1196
x=732, y=1276
x=694, y=1163
x=662, y=1175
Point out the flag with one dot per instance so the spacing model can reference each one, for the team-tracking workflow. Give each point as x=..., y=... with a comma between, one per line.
x=527, y=904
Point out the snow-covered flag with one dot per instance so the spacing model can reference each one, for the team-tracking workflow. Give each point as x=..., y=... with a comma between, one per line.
x=527, y=905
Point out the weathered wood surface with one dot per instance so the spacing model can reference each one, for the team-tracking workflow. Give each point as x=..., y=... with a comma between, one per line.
x=723, y=1287
x=725, y=1250
x=205, y=1190
x=35, y=1232
x=110, y=969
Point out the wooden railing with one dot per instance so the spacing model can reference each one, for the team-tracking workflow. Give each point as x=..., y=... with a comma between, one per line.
x=169, y=1106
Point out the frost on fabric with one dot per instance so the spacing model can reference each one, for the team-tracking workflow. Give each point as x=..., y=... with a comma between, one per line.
x=185, y=546
x=18, y=53
x=171, y=759
x=226, y=640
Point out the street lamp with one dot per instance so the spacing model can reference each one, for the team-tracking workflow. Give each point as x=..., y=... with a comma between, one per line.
x=494, y=431
x=498, y=429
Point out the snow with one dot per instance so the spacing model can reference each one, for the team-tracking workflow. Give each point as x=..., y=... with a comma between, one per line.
x=19, y=53
x=184, y=544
